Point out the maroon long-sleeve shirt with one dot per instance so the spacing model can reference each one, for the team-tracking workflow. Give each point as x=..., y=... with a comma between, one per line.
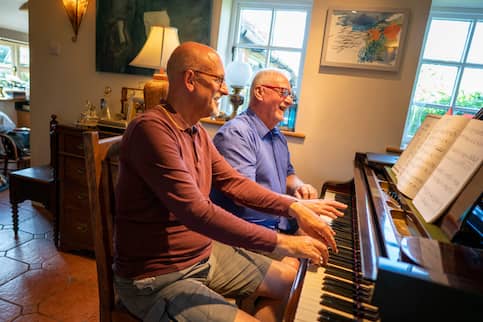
x=165, y=220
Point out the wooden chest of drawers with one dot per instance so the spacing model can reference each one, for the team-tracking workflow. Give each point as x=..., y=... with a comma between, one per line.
x=74, y=218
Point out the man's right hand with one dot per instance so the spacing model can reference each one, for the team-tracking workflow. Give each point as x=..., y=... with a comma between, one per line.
x=302, y=247
x=312, y=224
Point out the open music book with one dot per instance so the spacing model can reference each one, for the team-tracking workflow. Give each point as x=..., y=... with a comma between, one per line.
x=435, y=168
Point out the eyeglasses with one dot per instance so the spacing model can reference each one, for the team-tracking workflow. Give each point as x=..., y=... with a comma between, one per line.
x=282, y=91
x=218, y=79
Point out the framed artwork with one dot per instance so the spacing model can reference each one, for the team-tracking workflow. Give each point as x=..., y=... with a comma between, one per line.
x=122, y=27
x=364, y=38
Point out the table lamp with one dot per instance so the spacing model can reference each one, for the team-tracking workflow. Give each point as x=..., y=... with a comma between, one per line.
x=155, y=54
x=237, y=76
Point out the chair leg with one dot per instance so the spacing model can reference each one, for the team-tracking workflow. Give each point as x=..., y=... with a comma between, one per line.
x=15, y=218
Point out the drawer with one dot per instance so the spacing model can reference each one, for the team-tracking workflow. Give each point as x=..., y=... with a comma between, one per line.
x=72, y=143
x=73, y=171
x=77, y=198
x=75, y=230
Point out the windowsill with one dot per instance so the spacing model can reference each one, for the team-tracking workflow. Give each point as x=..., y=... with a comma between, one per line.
x=207, y=120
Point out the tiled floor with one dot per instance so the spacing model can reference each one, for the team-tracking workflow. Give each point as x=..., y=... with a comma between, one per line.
x=38, y=282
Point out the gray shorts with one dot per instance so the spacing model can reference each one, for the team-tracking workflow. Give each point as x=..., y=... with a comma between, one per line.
x=196, y=293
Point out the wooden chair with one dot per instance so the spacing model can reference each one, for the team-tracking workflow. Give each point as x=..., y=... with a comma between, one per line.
x=37, y=184
x=101, y=157
x=12, y=154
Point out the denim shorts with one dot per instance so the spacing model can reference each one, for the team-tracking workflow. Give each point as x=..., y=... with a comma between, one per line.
x=196, y=293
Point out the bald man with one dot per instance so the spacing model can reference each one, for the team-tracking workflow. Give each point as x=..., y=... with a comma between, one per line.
x=177, y=255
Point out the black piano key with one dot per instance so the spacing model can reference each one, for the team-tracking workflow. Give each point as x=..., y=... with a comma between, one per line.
x=325, y=315
x=351, y=308
x=340, y=272
x=337, y=303
x=338, y=290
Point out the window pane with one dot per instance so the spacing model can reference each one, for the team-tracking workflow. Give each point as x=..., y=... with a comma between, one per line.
x=24, y=56
x=435, y=84
x=255, y=26
x=255, y=57
x=289, y=28
x=417, y=115
x=470, y=93
x=286, y=60
x=446, y=40
x=5, y=55
x=25, y=76
x=475, y=55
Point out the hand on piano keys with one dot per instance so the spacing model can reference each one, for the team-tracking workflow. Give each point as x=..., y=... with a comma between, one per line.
x=302, y=247
x=329, y=208
x=307, y=212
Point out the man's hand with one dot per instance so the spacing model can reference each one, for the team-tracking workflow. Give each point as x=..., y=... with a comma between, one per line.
x=305, y=191
x=312, y=224
x=302, y=247
x=329, y=208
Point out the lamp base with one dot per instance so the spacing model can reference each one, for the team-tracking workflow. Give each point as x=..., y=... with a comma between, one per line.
x=155, y=90
x=236, y=99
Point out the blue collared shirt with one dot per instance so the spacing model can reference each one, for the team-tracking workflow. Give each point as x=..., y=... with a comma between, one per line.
x=259, y=154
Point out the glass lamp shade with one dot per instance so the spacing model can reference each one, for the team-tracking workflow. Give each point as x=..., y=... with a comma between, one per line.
x=75, y=10
x=238, y=73
x=158, y=47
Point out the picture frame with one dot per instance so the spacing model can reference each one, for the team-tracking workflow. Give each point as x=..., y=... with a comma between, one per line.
x=122, y=27
x=132, y=102
x=370, y=39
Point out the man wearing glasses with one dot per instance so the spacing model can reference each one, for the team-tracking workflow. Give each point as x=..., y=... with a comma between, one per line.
x=254, y=146
x=176, y=253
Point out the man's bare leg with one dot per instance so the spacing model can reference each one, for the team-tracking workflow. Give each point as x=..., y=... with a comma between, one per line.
x=273, y=292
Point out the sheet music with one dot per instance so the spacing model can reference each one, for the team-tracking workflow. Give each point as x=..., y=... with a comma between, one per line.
x=416, y=142
x=430, y=153
x=460, y=162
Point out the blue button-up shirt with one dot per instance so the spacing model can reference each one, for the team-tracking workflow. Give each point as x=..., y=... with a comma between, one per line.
x=258, y=153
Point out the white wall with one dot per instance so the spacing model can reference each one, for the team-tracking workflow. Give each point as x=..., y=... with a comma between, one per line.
x=341, y=112
x=344, y=111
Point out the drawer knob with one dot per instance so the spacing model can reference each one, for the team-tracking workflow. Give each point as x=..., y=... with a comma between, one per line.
x=80, y=146
x=81, y=227
x=81, y=170
x=81, y=196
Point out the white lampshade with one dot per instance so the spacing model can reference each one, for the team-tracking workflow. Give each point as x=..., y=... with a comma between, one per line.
x=238, y=73
x=158, y=47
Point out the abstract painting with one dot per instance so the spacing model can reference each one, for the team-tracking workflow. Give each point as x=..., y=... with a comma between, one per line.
x=367, y=39
x=122, y=27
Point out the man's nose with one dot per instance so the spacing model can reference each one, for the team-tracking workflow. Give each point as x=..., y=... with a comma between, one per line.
x=224, y=89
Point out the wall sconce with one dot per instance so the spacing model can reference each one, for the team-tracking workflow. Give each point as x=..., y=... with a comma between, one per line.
x=237, y=75
x=155, y=54
x=75, y=11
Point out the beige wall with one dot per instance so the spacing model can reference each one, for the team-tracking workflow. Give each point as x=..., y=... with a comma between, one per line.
x=341, y=111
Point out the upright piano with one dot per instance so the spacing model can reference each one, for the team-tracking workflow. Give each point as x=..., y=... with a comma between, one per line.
x=392, y=265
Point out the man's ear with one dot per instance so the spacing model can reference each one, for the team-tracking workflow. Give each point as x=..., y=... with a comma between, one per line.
x=189, y=80
x=258, y=91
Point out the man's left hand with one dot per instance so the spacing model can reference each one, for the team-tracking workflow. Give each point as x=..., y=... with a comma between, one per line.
x=305, y=191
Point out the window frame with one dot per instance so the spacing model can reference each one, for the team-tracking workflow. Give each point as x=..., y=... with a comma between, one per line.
x=233, y=43
x=473, y=17
x=17, y=67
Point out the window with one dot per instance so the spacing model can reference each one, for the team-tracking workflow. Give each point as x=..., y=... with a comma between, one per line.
x=450, y=72
x=14, y=65
x=271, y=35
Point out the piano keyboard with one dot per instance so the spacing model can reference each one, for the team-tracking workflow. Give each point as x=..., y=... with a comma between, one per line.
x=338, y=292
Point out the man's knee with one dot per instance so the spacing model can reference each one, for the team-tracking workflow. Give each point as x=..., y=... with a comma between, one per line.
x=277, y=281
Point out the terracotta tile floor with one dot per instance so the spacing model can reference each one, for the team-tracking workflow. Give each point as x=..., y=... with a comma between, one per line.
x=38, y=282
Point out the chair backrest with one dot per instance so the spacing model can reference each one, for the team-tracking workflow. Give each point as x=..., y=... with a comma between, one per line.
x=101, y=158
x=9, y=147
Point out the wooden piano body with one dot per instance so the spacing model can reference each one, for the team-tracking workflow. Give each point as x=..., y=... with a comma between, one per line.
x=402, y=268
